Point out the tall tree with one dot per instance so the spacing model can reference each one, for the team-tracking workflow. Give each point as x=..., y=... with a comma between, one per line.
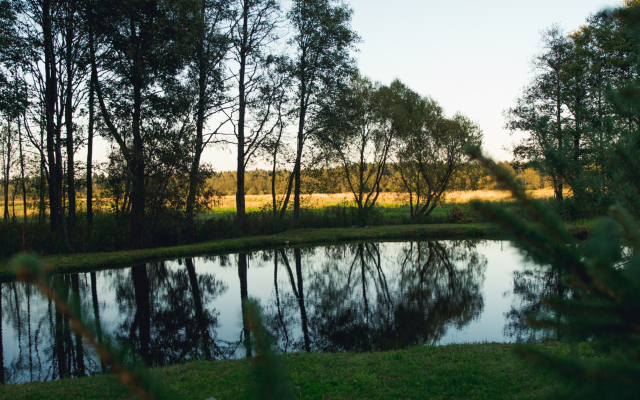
x=542, y=111
x=75, y=70
x=41, y=33
x=256, y=30
x=355, y=134
x=322, y=43
x=207, y=71
x=143, y=46
x=429, y=149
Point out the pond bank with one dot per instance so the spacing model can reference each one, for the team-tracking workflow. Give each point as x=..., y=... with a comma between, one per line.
x=71, y=263
x=468, y=371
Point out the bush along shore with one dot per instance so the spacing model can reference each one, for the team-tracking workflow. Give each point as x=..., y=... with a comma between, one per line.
x=470, y=371
x=79, y=262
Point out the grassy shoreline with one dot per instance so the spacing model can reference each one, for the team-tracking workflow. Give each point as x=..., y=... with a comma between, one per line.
x=83, y=262
x=468, y=371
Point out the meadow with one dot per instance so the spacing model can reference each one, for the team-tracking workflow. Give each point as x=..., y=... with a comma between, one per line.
x=385, y=200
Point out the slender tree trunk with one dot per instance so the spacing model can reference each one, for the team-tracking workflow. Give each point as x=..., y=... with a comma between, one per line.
x=90, y=148
x=24, y=184
x=68, y=119
x=13, y=200
x=7, y=172
x=273, y=184
x=42, y=206
x=137, y=176
x=558, y=187
x=198, y=147
x=244, y=50
x=299, y=145
x=54, y=154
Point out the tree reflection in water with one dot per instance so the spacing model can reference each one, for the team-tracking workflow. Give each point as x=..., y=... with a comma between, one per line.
x=165, y=320
x=362, y=301
x=530, y=286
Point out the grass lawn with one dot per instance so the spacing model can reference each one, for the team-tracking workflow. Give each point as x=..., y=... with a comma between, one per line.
x=474, y=371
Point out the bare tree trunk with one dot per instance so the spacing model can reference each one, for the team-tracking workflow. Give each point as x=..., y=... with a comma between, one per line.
x=7, y=172
x=90, y=149
x=137, y=175
x=558, y=178
x=24, y=184
x=198, y=147
x=299, y=145
x=71, y=189
x=558, y=187
x=54, y=153
x=273, y=182
x=42, y=206
x=240, y=200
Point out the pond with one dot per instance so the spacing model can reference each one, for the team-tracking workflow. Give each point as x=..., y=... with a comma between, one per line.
x=351, y=297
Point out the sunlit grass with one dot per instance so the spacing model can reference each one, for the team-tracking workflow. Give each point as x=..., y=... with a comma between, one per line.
x=258, y=202
x=254, y=203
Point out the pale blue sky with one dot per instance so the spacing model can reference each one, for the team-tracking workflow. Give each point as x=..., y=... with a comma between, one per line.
x=471, y=56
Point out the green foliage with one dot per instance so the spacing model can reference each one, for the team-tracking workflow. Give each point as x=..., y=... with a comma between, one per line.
x=355, y=134
x=460, y=214
x=429, y=148
x=574, y=111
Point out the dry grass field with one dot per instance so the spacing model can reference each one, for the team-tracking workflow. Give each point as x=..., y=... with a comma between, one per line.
x=256, y=202
x=385, y=199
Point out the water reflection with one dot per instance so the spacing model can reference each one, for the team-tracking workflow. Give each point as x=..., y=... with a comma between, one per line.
x=363, y=307
x=163, y=314
x=356, y=297
x=530, y=287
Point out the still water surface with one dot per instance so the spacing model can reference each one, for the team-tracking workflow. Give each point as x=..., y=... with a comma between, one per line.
x=354, y=297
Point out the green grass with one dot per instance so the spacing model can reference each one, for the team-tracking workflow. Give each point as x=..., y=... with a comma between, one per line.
x=474, y=371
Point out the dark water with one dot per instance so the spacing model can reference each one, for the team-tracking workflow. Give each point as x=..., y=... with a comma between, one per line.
x=355, y=297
